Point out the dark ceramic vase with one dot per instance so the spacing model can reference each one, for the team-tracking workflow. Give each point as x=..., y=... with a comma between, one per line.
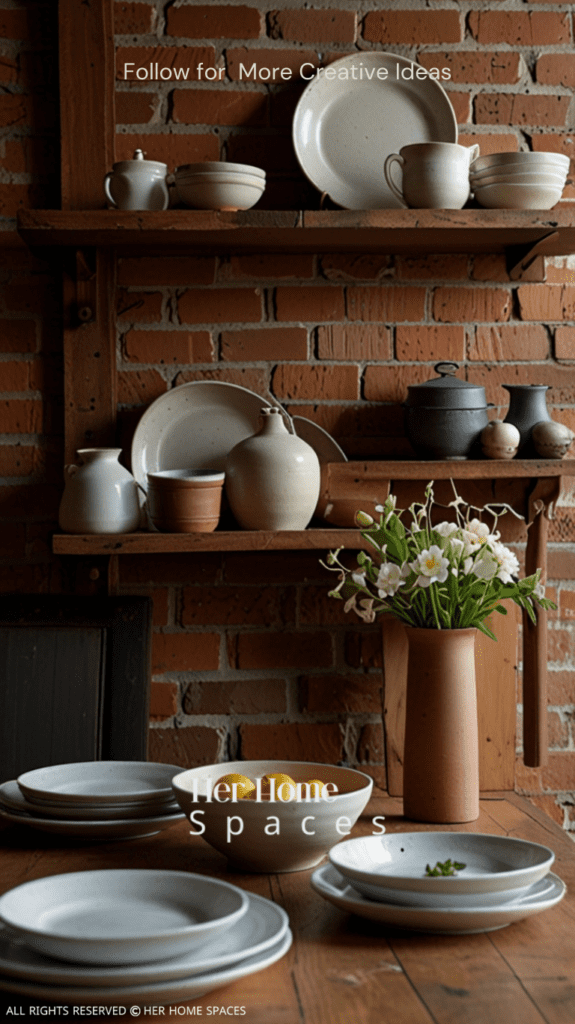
x=527, y=406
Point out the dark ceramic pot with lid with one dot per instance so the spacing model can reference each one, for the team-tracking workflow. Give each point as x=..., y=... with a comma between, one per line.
x=444, y=416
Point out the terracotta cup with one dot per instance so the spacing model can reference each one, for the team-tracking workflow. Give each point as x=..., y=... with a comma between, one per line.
x=185, y=500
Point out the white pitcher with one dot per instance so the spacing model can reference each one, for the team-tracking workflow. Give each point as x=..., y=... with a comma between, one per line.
x=435, y=174
x=100, y=495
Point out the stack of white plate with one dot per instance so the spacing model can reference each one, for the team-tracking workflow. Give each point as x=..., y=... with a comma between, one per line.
x=519, y=181
x=385, y=878
x=219, y=186
x=134, y=937
x=94, y=799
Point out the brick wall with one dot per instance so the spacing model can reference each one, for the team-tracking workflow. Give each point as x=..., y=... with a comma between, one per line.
x=250, y=657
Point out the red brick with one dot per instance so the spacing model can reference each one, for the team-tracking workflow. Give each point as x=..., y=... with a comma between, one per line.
x=471, y=304
x=182, y=58
x=555, y=69
x=560, y=380
x=262, y=566
x=185, y=652
x=140, y=386
x=560, y=645
x=414, y=28
x=442, y=267
x=172, y=150
x=14, y=197
x=298, y=381
x=317, y=608
x=220, y=106
x=140, y=570
x=309, y=304
x=491, y=267
x=18, y=336
x=26, y=155
x=135, y=107
x=8, y=70
x=565, y=342
x=169, y=347
x=425, y=343
x=520, y=28
x=509, y=342
x=546, y=302
x=266, y=343
x=15, y=109
x=213, y=22
x=220, y=305
x=163, y=700
x=468, y=66
x=562, y=527
x=269, y=64
x=160, y=610
x=494, y=143
x=188, y=747
x=319, y=742
x=561, y=687
x=139, y=307
x=319, y=26
x=390, y=383
x=356, y=267
x=15, y=375
x=351, y=694
x=559, y=773
x=167, y=270
x=20, y=416
x=281, y=650
x=237, y=696
x=271, y=266
x=555, y=143
x=567, y=604
x=461, y=103
x=249, y=606
x=386, y=304
x=253, y=379
x=15, y=24
x=133, y=18
x=505, y=108
x=547, y=803
x=354, y=341
x=18, y=460
x=560, y=564
x=371, y=745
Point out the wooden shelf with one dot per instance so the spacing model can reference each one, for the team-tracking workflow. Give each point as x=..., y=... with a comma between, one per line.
x=384, y=231
x=236, y=540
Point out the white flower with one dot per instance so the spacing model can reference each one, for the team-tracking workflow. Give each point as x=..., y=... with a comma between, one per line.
x=478, y=530
x=363, y=519
x=455, y=546
x=389, y=579
x=431, y=566
x=507, y=562
x=446, y=529
x=539, y=591
x=365, y=610
x=359, y=578
x=485, y=565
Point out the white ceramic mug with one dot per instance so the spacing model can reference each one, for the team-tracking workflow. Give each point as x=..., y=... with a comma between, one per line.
x=137, y=184
x=435, y=175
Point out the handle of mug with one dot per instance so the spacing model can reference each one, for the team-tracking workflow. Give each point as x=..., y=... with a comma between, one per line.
x=107, y=189
x=474, y=152
x=389, y=161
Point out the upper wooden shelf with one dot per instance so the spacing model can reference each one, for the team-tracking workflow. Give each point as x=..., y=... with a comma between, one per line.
x=208, y=232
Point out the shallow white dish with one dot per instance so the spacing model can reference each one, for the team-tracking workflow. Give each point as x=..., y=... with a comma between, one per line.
x=520, y=172
x=262, y=926
x=121, y=916
x=445, y=901
x=102, y=782
x=215, y=166
x=527, y=160
x=494, y=864
x=343, y=129
x=152, y=994
x=543, y=180
x=12, y=797
x=518, y=197
x=328, y=883
x=117, y=828
x=194, y=426
x=220, y=193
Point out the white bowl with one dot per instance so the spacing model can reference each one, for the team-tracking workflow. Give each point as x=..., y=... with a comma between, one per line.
x=206, y=195
x=99, y=782
x=518, y=197
x=121, y=916
x=213, y=166
x=531, y=160
x=544, y=180
x=497, y=869
x=219, y=177
x=519, y=170
x=307, y=829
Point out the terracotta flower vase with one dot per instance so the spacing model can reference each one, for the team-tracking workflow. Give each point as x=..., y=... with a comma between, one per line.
x=441, y=758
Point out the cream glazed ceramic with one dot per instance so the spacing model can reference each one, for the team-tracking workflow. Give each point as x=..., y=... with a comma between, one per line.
x=100, y=495
x=435, y=175
x=137, y=184
x=500, y=440
x=273, y=478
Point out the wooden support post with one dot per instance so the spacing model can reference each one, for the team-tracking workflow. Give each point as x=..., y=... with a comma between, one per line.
x=535, y=741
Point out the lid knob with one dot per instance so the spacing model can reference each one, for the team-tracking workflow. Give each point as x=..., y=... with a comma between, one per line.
x=138, y=155
x=446, y=369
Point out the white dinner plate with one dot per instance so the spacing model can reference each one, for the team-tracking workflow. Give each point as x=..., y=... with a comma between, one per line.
x=101, y=782
x=262, y=926
x=344, y=127
x=453, y=921
x=194, y=426
x=151, y=993
x=12, y=797
x=118, y=828
x=121, y=915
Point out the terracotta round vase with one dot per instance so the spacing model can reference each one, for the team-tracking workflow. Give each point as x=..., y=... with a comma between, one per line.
x=441, y=759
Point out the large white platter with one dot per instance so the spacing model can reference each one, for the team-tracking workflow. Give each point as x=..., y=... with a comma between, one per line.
x=101, y=782
x=121, y=916
x=452, y=921
x=194, y=426
x=152, y=994
x=262, y=926
x=344, y=127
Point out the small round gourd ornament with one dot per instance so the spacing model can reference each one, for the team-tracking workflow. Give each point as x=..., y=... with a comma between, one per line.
x=500, y=440
x=552, y=440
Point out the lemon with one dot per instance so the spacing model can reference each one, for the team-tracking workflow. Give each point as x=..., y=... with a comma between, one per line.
x=244, y=786
x=318, y=784
x=285, y=788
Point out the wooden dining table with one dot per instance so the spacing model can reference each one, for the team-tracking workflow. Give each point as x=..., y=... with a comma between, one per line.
x=342, y=969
